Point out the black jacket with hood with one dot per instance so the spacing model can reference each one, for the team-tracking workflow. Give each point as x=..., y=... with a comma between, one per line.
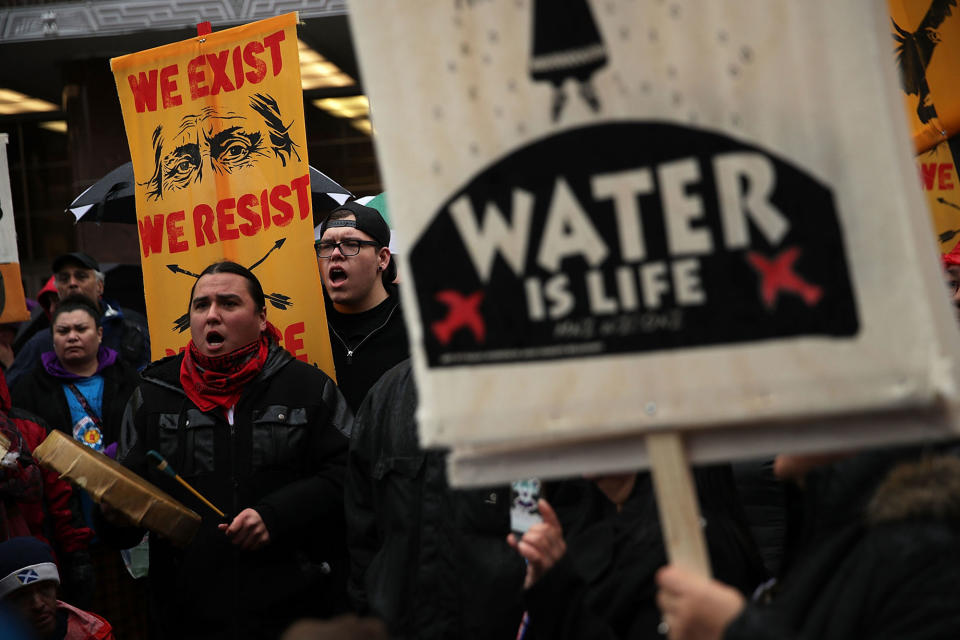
x=284, y=456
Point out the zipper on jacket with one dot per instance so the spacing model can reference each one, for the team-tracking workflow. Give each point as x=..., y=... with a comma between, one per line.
x=350, y=351
x=233, y=460
x=234, y=503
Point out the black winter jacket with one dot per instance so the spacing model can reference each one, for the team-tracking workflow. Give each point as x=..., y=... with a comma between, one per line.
x=42, y=394
x=603, y=588
x=889, y=570
x=284, y=456
x=432, y=562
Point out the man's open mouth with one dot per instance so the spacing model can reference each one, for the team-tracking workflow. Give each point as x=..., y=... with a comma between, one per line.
x=214, y=338
x=337, y=274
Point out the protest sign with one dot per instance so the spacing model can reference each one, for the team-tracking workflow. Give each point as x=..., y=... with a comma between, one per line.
x=941, y=184
x=625, y=217
x=216, y=132
x=926, y=38
x=13, y=305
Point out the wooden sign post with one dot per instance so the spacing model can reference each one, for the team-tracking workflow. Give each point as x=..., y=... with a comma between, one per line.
x=680, y=517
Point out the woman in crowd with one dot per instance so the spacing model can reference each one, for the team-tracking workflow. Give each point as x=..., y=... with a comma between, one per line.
x=82, y=388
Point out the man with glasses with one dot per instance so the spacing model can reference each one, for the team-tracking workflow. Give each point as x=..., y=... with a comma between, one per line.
x=124, y=330
x=367, y=332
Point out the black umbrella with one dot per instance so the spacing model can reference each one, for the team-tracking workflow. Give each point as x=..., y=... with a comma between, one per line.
x=111, y=198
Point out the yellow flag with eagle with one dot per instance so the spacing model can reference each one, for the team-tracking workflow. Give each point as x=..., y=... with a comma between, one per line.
x=926, y=45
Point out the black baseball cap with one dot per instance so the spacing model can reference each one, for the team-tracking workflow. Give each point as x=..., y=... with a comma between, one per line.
x=76, y=256
x=368, y=220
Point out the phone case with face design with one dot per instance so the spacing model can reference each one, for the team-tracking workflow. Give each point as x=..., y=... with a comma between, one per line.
x=524, y=513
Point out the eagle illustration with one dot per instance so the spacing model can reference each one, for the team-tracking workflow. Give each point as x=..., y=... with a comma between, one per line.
x=914, y=51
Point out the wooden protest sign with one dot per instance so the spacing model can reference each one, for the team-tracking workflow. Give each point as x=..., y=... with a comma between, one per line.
x=216, y=132
x=13, y=305
x=632, y=217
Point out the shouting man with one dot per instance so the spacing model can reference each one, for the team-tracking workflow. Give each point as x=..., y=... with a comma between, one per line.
x=264, y=438
x=367, y=333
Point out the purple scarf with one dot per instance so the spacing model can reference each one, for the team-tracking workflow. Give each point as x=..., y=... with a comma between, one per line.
x=105, y=357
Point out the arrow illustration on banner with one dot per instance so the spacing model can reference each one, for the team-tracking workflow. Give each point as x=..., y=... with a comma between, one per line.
x=176, y=269
x=948, y=203
x=279, y=300
x=948, y=235
x=181, y=323
x=276, y=245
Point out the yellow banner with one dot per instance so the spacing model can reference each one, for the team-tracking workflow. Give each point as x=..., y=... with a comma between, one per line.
x=926, y=44
x=13, y=304
x=216, y=132
x=939, y=179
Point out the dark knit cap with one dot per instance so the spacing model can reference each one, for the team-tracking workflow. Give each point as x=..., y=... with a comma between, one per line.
x=25, y=561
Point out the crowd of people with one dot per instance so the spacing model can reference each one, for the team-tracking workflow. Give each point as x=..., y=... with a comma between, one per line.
x=332, y=522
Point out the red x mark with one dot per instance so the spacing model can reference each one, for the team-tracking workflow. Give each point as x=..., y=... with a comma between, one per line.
x=463, y=311
x=778, y=274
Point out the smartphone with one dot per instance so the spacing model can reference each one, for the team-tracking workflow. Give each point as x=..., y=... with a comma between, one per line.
x=524, y=513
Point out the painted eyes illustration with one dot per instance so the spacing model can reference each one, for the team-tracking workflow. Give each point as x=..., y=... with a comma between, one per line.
x=234, y=148
x=223, y=142
x=180, y=166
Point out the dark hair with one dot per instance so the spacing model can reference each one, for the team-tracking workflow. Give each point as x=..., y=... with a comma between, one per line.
x=76, y=302
x=253, y=285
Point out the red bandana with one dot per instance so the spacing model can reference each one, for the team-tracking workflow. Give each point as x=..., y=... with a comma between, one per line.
x=218, y=381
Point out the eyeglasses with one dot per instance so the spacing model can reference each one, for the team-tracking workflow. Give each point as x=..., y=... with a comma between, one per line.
x=347, y=247
x=953, y=286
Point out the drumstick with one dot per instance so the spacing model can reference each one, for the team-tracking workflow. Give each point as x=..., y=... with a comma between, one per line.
x=164, y=466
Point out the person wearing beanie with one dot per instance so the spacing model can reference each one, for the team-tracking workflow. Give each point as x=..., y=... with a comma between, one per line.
x=35, y=501
x=124, y=330
x=81, y=387
x=264, y=438
x=28, y=582
x=367, y=331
